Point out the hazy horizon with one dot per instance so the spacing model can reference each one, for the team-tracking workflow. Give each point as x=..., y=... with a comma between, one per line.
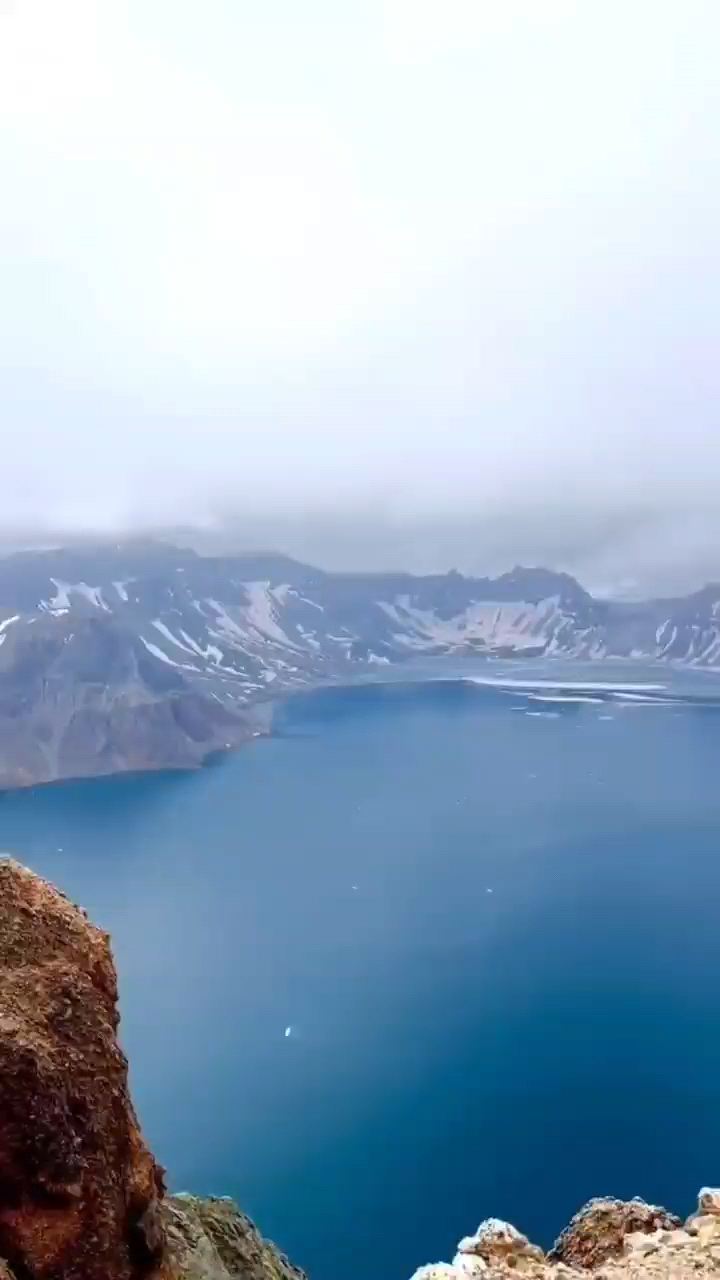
x=383, y=546
x=387, y=284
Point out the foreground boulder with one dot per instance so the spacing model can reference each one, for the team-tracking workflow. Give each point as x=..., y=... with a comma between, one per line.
x=597, y=1233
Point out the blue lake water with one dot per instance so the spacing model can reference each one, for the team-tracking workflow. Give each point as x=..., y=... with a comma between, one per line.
x=453, y=1052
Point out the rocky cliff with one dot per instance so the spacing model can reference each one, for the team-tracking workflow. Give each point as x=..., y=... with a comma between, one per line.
x=145, y=656
x=81, y=1197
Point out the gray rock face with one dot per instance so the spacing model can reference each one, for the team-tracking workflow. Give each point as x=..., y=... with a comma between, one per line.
x=146, y=656
x=212, y=1240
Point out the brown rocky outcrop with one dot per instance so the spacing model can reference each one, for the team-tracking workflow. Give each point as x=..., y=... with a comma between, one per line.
x=598, y=1231
x=79, y=1189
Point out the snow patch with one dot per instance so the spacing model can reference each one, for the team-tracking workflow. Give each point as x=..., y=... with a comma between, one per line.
x=159, y=653
x=310, y=637
x=61, y=600
x=260, y=613
x=493, y=624
x=167, y=633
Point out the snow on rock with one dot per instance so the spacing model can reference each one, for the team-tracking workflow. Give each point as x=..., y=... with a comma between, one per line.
x=157, y=652
x=260, y=613
x=168, y=634
x=712, y=653
x=226, y=626
x=310, y=637
x=496, y=1245
x=709, y=1200
x=64, y=590
x=494, y=624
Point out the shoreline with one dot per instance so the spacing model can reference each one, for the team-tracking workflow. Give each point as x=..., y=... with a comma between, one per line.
x=490, y=673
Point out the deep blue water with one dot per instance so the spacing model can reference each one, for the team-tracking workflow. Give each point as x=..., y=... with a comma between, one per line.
x=454, y=1053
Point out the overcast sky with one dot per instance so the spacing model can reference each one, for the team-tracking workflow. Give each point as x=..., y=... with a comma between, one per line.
x=445, y=271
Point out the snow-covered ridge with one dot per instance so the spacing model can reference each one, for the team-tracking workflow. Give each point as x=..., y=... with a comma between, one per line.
x=144, y=655
x=238, y=625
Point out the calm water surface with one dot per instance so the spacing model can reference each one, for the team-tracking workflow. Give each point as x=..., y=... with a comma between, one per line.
x=494, y=936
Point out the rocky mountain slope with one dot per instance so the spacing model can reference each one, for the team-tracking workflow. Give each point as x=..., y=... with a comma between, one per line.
x=82, y=1198
x=141, y=655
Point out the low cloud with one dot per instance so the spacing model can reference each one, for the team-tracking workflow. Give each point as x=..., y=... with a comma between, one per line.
x=403, y=284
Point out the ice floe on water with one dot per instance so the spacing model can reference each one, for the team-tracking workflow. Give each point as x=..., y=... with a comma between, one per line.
x=617, y=693
x=565, y=686
x=564, y=697
x=627, y=695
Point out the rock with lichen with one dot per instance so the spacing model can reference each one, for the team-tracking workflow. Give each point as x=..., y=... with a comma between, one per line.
x=597, y=1232
x=210, y=1239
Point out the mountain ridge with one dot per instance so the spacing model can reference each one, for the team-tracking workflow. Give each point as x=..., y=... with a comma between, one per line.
x=142, y=655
